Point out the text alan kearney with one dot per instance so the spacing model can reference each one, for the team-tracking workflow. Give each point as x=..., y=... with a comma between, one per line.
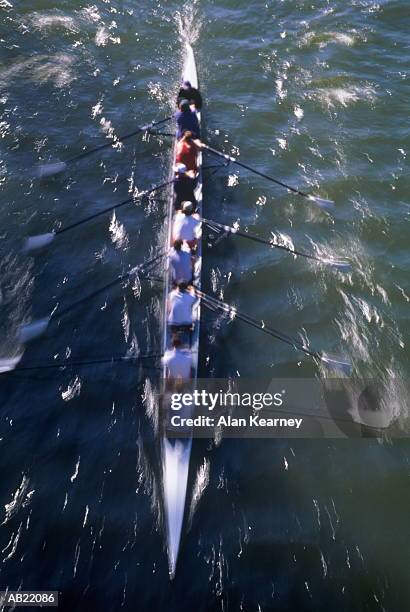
x=229, y=421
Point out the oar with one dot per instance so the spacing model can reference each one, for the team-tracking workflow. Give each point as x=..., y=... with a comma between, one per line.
x=316, y=199
x=341, y=264
x=332, y=362
x=34, y=330
x=84, y=363
x=40, y=241
x=46, y=170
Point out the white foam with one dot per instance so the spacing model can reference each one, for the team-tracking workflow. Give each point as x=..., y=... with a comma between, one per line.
x=48, y=21
x=103, y=37
x=345, y=96
x=73, y=390
x=118, y=233
x=97, y=109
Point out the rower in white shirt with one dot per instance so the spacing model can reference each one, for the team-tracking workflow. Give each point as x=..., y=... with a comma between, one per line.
x=180, y=261
x=180, y=306
x=178, y=361
x=187, y=225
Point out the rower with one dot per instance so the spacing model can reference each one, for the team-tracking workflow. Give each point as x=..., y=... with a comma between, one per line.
x=187, y=153
x=187, y=92
x=180, y=305
x=187, y=225
x=178, y=362
x=187, y=120
x=180, y=261
x=184, y=186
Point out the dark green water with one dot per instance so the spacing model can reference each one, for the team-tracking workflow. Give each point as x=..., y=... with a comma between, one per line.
x=314, y=93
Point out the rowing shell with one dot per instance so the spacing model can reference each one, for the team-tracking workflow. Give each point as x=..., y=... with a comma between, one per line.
x=175, y=453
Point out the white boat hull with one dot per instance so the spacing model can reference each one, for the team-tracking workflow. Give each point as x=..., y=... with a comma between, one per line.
x=176, y=453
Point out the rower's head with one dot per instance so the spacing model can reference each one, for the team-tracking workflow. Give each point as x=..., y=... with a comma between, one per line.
x=177, y=244
x=187, y=208
x=186, y=85
x=176, y=341
x=180, y=169
x=184, y=106
x=187, y=135
x=182, y=286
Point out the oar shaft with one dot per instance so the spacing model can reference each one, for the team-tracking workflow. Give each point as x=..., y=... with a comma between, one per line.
x=112, y=141
x=294, y=342
x=119, y=279
x=94, y=216
x=96, y=361
x=113, y=207
x=254, y=238
x=258, y=172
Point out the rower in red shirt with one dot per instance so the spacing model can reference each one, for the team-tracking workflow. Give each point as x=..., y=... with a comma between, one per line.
x=186, y=153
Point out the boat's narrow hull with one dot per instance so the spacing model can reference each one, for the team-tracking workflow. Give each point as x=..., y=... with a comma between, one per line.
x=175, y=453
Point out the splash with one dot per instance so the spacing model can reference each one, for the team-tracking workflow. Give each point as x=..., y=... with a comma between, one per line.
x=282, y=240
x=13, y=543
x=233, y=180
x=21, y=499
x=76, y=470
x=51, y=20
x=149, y=400
x=158, y=92
x=201, y=483
x=188, y=22
x=91, y=14
x=103, y=37
x=345, y=96
x=97, y=109
x=118, y=233
x=73, y=390
x=125, y=320
x=325, y=38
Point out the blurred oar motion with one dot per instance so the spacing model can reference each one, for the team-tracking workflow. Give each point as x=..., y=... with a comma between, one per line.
x=69, y=363
x=322, y=202
x=34, y=243
x=340, y=264
x=35, y=329
x=334, y=363
x=47, y=170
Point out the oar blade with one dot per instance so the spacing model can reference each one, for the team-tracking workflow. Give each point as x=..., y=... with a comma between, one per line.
x=34, y=243
x=46, y=170
x=336, y=363
x=7, y=364
x=32, y=331
x=322, y=202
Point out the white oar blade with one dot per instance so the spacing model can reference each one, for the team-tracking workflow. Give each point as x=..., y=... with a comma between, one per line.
x=34, y=243
x=336, y=363
x=9, y=364
x=33, y=330
x=46, y=170
x=322, y=202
